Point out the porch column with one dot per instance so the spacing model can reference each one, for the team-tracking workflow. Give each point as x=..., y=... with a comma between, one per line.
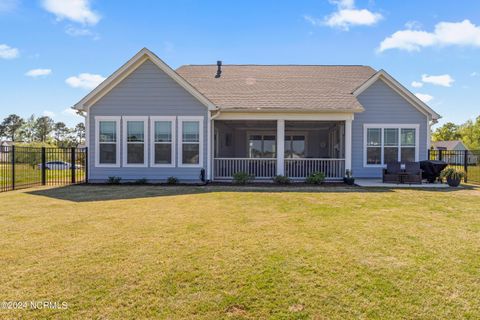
x=348, y=144
x=281, y=147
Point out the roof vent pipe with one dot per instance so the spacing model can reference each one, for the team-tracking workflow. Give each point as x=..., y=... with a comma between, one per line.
x=219, y=69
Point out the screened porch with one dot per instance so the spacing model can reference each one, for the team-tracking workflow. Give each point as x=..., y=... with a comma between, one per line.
x=267, y=148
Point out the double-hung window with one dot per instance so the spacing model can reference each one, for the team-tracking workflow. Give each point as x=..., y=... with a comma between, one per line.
x=107, y=136
x=390, y=143
x=162, y=130
x=262, y=145
x=134, y=141
x=190, y=142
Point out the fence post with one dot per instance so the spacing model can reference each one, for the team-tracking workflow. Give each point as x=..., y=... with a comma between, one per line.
x=73, y=164
x=13, y=167
x=44, y=166
x=465, y=165
x=86, y=165
x=429, y=154
x=440, y=155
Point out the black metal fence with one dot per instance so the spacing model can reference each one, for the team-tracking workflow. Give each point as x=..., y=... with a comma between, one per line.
x=467, y=161
x=25, y=167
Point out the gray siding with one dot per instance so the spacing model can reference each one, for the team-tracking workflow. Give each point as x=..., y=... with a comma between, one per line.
x=383, y=105
x=148, y=91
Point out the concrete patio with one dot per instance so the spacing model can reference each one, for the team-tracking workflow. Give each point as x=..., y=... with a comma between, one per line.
x=377, y=183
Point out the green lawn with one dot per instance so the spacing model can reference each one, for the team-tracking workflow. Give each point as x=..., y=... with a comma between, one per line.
x=219, y=252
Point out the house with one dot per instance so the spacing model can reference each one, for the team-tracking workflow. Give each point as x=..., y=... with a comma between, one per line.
x=453, y=152
x=5, y=151
x=149, y=121
x=449, y=145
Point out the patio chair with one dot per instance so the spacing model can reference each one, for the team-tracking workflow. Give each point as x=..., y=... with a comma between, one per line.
x=414, y=173
x=391, y=173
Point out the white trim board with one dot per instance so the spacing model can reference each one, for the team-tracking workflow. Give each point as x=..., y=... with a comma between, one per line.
x=130, y=66
x=117, y=119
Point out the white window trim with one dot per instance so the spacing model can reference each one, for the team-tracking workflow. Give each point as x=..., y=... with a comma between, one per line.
x=383, y=126
x=152, y=142
x=97, y=141
x=145, y=142
x=182, y=119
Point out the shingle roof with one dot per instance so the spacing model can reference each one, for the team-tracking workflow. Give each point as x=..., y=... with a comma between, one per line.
x=447, y=145
x=287, y=87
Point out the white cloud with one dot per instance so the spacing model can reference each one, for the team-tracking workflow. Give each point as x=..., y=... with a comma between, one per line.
x=444, y=80
x=74, y=10
x=81, y=32
x=8, y=5
x=7, y=52
x=48, y=113
x=417, y=84
x=85, y=80
x=70, y=112
x=38, y=72
x=424, y=97
x=346, y=16
x=462, y=33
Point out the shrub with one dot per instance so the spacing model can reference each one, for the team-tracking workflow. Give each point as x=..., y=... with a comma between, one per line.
x=451, y=173
x=172, y=180
x=242, y=177
x=141, y=181
x=316, y=178
x=114, y=180
x=281, y=179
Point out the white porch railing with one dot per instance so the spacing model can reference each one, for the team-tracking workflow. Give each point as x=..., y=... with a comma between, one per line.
x=266, y=168
x=302, y=167
x=225, y=168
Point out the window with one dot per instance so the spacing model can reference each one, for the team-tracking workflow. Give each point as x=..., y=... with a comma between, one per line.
x=107, y=150
x=134, y=139
x=163, y=141
x=295, y=146
x=390, y=143
x=262, y=145
x=190, y=148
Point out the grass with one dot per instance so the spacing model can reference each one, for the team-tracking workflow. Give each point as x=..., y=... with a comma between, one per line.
x=220, y=252
x=26, y=175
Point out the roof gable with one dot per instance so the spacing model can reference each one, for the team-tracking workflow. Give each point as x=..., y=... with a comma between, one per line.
x=400, y=89
x=129, y=67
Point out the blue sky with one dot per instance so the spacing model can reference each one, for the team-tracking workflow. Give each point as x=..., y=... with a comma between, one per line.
x=53, y=51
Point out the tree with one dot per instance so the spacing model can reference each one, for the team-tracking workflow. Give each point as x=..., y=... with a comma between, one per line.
x=470, y=132
x=43, y=127
x=11, y=126
x=27, y=131
x=80, y=132
x=60, y=131
x=449, y=131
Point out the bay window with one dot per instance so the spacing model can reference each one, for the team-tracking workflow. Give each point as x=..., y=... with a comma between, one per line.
x=107, y=149
x=390, y=143
x=162, y=141
x=190, y=144
x=134, y=141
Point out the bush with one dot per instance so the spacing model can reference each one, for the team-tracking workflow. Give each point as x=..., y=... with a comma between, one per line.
x=114, y=180
x=316, y=178
x=172, y=180
x=451, y=173
x=141, y=181
x=281, y=179
x=242, y=177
